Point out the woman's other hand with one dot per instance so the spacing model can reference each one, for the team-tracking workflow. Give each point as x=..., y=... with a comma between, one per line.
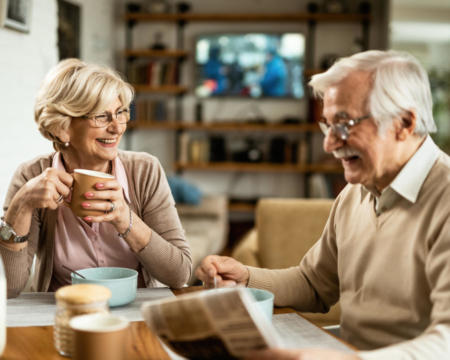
x=48, y=190
x=222, y=271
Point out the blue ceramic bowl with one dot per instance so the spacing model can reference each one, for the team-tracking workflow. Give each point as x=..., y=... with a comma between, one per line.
x=121, y=281
x=263, y=301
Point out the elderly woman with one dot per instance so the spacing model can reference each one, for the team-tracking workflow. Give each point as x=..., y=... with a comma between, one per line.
x=84, y=110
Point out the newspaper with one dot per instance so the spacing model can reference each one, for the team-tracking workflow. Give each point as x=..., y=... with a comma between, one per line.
x=214, y=324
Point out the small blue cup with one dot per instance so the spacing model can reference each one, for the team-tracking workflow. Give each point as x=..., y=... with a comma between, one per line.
x=263, y=301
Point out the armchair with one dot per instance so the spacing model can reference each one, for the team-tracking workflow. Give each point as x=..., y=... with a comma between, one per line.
x=285, y=230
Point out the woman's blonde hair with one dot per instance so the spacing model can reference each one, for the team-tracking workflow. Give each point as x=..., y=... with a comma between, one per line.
x=75, y=89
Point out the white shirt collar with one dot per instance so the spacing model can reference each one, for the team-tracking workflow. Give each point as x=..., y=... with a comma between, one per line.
x=410, y=179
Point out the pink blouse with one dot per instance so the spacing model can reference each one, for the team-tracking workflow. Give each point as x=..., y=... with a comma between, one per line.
x=79, y=245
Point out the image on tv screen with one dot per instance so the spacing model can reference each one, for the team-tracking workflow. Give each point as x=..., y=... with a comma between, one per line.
x=250, y=65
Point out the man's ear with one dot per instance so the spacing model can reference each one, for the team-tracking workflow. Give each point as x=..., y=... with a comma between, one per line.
x=406, y=124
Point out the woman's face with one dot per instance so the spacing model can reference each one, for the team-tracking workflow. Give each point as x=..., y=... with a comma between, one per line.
x=92, y=147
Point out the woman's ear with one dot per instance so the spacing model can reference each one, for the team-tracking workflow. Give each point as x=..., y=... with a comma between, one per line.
x=407, y=124
x=61, y=136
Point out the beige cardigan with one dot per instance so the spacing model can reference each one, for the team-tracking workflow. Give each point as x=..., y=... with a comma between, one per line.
x=391, y=273
x=167, y=257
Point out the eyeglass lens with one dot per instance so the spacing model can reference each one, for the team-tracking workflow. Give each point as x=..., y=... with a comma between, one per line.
x=121, y=116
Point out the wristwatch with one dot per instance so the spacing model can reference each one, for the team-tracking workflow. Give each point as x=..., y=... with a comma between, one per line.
x=8, y=234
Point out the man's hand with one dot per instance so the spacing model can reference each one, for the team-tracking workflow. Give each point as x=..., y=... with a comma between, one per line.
x=304, y=354
x=225, y=270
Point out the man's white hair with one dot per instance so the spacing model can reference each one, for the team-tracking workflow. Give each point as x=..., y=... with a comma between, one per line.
x=400, y=84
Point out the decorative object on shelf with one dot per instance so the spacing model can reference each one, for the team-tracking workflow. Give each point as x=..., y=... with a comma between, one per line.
x=198, y=112
x=158, y=6
x=198, y=151
x=312, y=7
x=292, y=120
x=16, y=14
x=364, y=7
x=133, y=7
x=250, y=153
x=277, y=149
x=183, y=7
x=158, y=43
x=335, y=6
x=217, y=149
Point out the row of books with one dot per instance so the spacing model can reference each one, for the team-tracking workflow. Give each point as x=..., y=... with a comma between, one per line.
x=154, y=73
x=193, y=149
x=149, y=110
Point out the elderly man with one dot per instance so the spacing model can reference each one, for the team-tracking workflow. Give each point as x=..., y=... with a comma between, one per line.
x=385, y=250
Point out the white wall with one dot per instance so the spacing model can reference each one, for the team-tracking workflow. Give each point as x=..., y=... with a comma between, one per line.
x=97, y=31
x=24, y=60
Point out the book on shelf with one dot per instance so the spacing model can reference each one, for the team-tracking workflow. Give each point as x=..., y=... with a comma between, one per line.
x=214, y=324
x=154, y=73
x=148, y=110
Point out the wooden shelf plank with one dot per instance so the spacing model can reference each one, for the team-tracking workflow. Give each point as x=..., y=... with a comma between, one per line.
x=156, y=53
x=295, y=17
x=261, y=167
x=242, y=126
x=163, y=125
x=163, y=89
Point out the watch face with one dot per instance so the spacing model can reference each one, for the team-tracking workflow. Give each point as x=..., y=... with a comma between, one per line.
x=5, y=232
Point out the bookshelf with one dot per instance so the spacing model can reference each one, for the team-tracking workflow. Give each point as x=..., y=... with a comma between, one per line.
x=304, y=131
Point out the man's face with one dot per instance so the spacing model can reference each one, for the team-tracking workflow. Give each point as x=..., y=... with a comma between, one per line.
x=366, y=156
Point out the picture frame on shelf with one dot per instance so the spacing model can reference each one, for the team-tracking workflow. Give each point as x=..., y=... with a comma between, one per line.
x=15, y=14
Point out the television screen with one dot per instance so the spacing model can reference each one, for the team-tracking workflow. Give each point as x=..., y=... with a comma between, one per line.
x=250, y=65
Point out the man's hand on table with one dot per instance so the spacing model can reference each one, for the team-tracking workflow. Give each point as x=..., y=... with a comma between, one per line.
x=222, y=271
x=304, y=354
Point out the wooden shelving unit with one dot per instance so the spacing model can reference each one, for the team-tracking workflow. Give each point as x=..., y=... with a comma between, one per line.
x=303, y=131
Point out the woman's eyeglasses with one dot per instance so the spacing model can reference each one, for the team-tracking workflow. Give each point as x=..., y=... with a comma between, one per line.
x=341, y=129
x=122, y=116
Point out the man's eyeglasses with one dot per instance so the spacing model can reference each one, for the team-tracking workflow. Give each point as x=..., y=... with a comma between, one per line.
x=122, y=116
x=341, y=129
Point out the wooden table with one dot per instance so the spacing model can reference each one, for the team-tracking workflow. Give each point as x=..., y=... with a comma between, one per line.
x=36, y=342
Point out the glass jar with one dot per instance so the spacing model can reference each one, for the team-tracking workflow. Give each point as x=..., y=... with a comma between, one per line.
x=73, y=300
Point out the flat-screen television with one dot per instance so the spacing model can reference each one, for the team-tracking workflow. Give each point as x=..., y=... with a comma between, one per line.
x=250, y=65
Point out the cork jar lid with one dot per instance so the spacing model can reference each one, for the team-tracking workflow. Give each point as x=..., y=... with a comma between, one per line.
x=83, y=293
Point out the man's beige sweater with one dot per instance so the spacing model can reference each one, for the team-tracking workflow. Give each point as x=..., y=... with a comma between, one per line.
x=391, y=273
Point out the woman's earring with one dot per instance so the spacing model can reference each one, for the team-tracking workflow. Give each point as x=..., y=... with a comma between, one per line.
x=66, y=144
